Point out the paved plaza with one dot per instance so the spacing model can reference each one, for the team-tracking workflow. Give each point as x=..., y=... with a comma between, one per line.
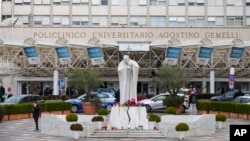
x=22, y=130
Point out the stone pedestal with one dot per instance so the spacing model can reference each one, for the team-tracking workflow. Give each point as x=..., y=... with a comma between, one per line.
x=119, y=119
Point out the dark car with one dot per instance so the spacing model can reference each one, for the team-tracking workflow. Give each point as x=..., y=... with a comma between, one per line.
x=227, y=96
x=23, y=99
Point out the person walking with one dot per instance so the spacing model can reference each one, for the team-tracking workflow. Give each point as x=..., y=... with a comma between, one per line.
x=192, y=101
x=36, y=114
x=2, y=93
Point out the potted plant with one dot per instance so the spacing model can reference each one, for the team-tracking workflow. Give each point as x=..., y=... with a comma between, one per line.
x=88, y=79
x=76, y=128
x=220, y=119
x=71, y=117
x=98, y=120
x=182, y=128
x=153, y=119
x=170, y=110
x=171, y=80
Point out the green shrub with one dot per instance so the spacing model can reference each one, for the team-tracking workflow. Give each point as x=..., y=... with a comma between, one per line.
x=173, y=101
x=241, y=108
x=170, y=110
x=205, y=96
x=76, y=127
x=220, y=117
x=67, y=106
x=71, y=117
x=2, y=112
x=203, y=105
x=247, y=108
x=55, y=106
x=103, y=112
x=154, y=117
x=226, y=106
x=182, y=127
x=97, y=118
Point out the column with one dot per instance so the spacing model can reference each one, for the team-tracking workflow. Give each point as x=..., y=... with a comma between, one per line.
x=55, y=83
x=204, y=85
x=212, y=82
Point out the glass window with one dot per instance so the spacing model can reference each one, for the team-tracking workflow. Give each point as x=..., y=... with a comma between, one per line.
x=99, y=20
x=234, y=21
x=134, y=2
x=80, y=20
x=138, y=21
x=104, y=2
x=234, y=3
x=57, y=20
x=247, y=20
x=37, y=20
x=46, y=2
x=247, y=2
x=157, y=21
x=157, y=2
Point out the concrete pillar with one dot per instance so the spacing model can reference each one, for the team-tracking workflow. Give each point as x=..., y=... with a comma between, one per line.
x=204, y=85
x=55, y=83
x=212, y=82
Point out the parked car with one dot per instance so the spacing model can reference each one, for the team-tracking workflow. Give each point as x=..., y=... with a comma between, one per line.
x=156, y=102
x=108, y=91
x=23, y=99
x=107, y=101
x=242, y=99
x=227, y=96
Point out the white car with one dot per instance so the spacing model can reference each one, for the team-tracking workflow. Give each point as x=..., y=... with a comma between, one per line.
x=156, y=102
x=242, y=99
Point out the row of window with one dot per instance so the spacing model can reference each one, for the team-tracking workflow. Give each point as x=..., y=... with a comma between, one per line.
x=134, y=2
x=154, y=21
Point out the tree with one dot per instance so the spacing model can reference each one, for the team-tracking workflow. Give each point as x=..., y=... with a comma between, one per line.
x=88, y=79
x=171, y=79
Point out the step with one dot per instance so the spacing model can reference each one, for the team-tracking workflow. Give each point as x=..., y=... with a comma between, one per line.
x=127, y=134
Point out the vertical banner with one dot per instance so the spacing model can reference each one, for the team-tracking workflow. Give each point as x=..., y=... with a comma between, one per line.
x=172, y=55
x=204, y=55
x=95, y=55
x=63, y=55
x=235, y=56
x=32, y=55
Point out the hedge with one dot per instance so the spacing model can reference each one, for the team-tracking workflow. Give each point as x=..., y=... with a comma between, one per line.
x=12, y=109
x=205, y=96
x=223, y=106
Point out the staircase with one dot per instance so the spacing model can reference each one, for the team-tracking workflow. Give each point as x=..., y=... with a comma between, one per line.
x=127, y=134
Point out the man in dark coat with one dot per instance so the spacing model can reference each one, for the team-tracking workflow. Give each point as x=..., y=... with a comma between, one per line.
x=36, y=114
x=2, y=93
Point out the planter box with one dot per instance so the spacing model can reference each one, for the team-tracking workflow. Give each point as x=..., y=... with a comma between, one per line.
x=234, y=115
x=227, y=114
x=214, y=112
x=243, y=116
x=201, y=112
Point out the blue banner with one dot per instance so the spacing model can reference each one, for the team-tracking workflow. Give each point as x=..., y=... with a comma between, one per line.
x=94, y=52
x=205, y=52
x=62, y=52
x=173, y=52
x=236, y=52
x=30, y=51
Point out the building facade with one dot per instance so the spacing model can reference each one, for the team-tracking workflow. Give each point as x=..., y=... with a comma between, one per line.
x=144, y=29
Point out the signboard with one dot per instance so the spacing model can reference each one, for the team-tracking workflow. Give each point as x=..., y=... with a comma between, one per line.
x=204, y=55
x=235, y=56
x=32, y=55
x=135, y=46
x=63, y=54
x=172, y=55
x=95, y=55
x=231, y=84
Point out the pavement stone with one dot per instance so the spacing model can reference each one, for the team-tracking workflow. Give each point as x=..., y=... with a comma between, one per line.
x=23, y=130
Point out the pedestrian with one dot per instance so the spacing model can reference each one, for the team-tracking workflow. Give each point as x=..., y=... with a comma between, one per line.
x=2, y=93
x=192, y=101
x=222, y=91
x=36, y=114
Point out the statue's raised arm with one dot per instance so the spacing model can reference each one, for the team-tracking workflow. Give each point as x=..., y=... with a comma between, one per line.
x=128, y=76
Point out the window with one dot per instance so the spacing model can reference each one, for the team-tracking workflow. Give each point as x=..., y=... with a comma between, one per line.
x=134, y=2
x=5, y=17
x=37, y=20
x=234, y=21
x=119, y=2
x=65, y=2
x=26, y=2
x=65, y=20
x=158, y=2
x=37, y=2
x=23, y=19
x=80, y=2
x=57, y=20
x=234, y=3
x=18, y=2
x=196, y=21
x=247, y=2
x=104, y=2
x=177, y=21
x=177, y=2
x=157, y=21
x=248, y=21
x=117, y=21
x=215, y=2
x=80, y=20
x=99, y=20
x=45, y=20
x=46, y=2
x=196, y=3
x=57, y=2
x=138, y=21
